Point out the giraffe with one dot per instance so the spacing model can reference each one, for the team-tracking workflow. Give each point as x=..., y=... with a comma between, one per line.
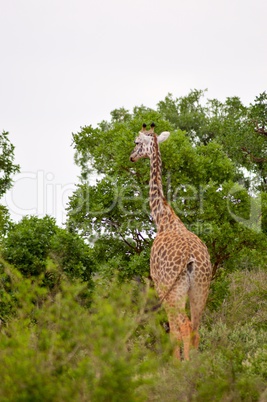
x=179, y=262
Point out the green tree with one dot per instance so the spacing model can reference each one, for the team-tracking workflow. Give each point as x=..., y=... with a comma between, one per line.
x=240, y=129
x=7, y=169
x=5, y=222
x=199, y=178
x=71, y=255
x=7, y=166
x=38, y=246
x=189, y=114
x=28, y=243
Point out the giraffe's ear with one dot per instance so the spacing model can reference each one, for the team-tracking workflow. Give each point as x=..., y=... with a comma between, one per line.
x=163, y=136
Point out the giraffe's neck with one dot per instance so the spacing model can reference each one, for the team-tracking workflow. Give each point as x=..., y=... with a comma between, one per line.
x=162, y=213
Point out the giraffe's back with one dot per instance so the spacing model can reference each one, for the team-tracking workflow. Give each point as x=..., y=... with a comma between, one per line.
x=171, y=254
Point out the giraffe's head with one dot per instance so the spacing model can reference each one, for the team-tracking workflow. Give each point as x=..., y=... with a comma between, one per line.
x=145, y=141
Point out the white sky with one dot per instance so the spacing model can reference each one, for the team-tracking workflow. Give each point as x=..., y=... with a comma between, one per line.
x=68, y=63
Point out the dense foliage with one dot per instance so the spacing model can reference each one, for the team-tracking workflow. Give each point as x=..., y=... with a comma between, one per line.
x=54, y=349
x=37, y=246
x=7, y=165
x=205, y=175
x=77, y=317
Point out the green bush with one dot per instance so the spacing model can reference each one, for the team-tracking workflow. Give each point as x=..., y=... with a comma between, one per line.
x=28, y=243
x=37, y=247
x=245, y=300
x=54, y=349
x=71, y=254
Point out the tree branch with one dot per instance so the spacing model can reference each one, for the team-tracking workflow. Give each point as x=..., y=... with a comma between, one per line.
x=260, y=130
x=115, y=225
x=252, y=157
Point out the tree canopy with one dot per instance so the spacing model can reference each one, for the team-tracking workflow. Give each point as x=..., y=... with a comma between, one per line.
x=207, y=177
x=7, y=165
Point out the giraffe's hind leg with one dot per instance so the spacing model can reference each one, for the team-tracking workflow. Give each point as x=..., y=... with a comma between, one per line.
x=175, y=335
x=180, y=325
x=198, y=294
x=180, y=328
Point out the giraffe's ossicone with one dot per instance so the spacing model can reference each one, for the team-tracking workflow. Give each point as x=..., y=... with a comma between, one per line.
x=179, y=263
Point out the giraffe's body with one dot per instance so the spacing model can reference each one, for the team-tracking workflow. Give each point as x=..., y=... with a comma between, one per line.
x=179, y=263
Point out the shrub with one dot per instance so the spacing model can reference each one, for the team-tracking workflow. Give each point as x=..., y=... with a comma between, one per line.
x=54, y=349
x=27, y=244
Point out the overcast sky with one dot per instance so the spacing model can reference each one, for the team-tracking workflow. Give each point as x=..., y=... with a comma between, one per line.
x=68, y=63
